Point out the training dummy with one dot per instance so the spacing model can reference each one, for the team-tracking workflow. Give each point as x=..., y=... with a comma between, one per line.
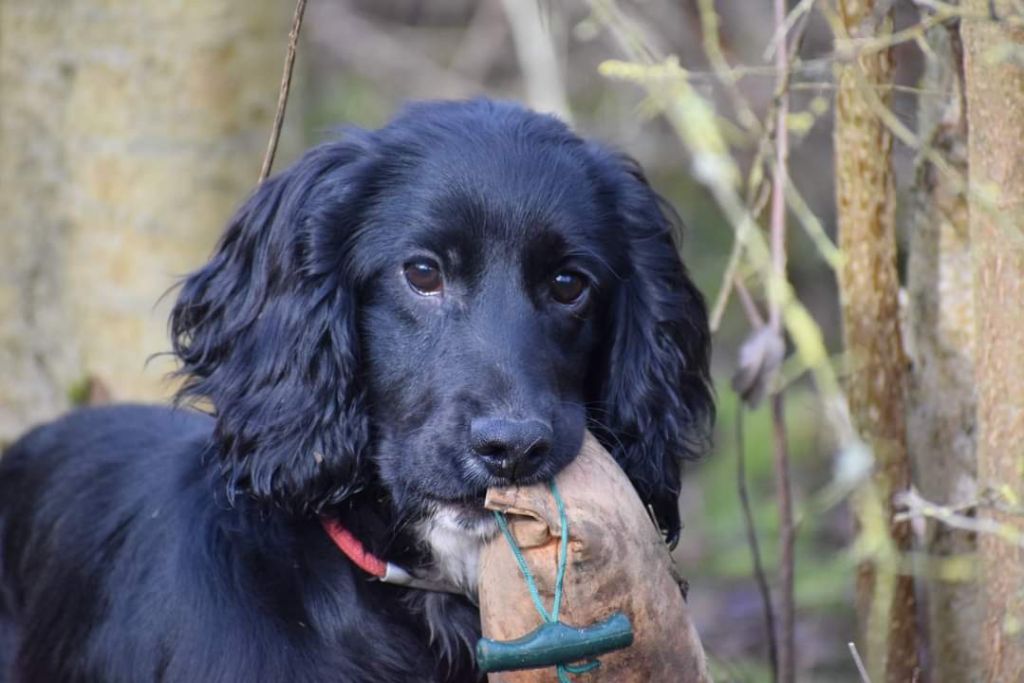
x=619, y=590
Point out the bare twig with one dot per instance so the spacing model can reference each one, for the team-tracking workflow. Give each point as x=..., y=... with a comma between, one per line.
x=872, y=22
x=757, y=197
x=755, y=547
x=799, y=13
x=917, y=507
x=282, y=95
x=787, y=534
x=787, y=538
x=729, y=279
x=732, y=280
x=721, y=68
x=754, y=316
x=778, y=213
x=859, y=662
x=692, y=119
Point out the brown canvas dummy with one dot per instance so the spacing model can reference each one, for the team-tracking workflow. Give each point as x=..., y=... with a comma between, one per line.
x=616, y=561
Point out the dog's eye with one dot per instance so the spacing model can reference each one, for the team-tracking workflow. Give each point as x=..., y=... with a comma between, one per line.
x=424, y=275
x=567, y=286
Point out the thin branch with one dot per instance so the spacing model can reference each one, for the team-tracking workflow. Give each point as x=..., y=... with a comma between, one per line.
x=799, y=13
x=859, y=662
x=778, y=212
x=731, y=280
x=282, y=95
x=850, y=48
x=787, y=538
x=755, y=547
x=918, y=507
x=721, y=68
x=787, y=533
x=754, y=316
x=757, y=197
x=691, y=118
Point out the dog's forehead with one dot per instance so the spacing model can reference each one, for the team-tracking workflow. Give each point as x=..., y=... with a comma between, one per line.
x=477, y=227
x=506, y=197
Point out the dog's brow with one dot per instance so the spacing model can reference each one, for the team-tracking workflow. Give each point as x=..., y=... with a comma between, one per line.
x=593, y=257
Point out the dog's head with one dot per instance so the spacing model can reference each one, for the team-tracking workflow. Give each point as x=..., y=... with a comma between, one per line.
x=444, y=305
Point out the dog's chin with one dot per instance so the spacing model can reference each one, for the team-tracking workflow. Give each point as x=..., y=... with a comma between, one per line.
x=455, y=532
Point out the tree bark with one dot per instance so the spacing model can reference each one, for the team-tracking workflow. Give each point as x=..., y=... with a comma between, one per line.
x=876, y=384
x=941, y=411
x=995, y=121
x=128, y=133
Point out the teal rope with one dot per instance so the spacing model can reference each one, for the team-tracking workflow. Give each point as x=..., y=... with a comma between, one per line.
x=580, y=668
x=521, y=561
x=563, y=552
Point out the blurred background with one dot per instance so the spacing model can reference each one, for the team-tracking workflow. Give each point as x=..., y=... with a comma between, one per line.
x=130, y=131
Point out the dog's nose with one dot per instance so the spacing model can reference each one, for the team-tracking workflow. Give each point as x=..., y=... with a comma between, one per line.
x=513, y=449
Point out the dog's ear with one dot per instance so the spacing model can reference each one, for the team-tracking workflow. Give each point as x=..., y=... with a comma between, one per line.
x=657, y=393
x=267, y=336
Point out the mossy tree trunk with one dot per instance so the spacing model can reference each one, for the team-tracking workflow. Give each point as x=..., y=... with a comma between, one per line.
x=940, y=419
x=994, y=80
x=869, y=288
x=128, y=132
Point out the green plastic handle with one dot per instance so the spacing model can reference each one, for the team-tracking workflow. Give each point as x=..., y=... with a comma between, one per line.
x=555, y=644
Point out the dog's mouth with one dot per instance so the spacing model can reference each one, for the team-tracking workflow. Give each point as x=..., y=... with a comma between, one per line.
x=471, y=504
x=466, y=512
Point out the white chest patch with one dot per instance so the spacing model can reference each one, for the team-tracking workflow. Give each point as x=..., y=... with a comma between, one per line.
x=455, y=542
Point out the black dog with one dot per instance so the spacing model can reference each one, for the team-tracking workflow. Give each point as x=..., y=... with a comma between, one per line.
x=397, y=322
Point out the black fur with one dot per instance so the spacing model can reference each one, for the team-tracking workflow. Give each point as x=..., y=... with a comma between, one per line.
x=144, y=543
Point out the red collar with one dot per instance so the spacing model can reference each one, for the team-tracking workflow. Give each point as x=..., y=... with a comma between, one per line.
x=353, y=549
x=386, y=572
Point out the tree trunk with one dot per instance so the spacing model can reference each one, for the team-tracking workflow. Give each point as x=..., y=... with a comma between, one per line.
x=940, y=419
x=995, y=123
x=128, y=132
x=876, y=385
